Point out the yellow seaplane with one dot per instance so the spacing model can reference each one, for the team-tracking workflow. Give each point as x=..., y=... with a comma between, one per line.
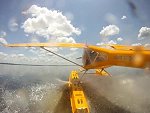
x=97, y=58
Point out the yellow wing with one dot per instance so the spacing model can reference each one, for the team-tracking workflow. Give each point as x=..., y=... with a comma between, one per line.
x=75, y=45
x=127, y=47
x=69, y=45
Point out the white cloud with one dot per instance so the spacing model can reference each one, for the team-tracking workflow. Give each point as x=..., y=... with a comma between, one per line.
x=10, y=57
x=109, y=42
x=34, y=51
x=52, y=25
x=3, y=34
x=109, y=31
x=3, y=41
x=62, y=39
x=45, y=22
x=20, y=58
x=3, y=54
x=144, y=32
x=21, y=55
x=102, y=43
x=34, y=39
x=147, y=45
x=137, y=44
x=41, y=58
x=123, y=17
x=112, y=42
x=41, y=52
x=13, y=25
x=119, y=39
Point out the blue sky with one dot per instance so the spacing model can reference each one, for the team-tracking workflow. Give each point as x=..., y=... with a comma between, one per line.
x=90, y=16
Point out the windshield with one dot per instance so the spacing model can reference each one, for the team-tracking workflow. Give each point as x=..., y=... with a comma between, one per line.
x=91, y=57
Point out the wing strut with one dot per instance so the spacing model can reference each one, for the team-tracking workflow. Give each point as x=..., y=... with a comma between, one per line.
x=62, y=57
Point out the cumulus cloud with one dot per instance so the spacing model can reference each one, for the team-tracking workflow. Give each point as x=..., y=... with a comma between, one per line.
x=119, y=39
x=144, y=32
x=123, y=17
x=109, y=31
x=13, y=24
x=42, y=53
x=52, y=25
x=62, y=39
x=3, y=41
x=45, y=22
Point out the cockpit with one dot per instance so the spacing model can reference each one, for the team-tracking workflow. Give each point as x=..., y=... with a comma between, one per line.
x=90, y=57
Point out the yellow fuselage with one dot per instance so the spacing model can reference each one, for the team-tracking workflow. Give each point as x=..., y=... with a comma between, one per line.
x=98, y=57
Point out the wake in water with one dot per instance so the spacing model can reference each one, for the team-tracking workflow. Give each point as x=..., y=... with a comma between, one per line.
x=46, y=93
x=44, y=97
x=63, y=82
